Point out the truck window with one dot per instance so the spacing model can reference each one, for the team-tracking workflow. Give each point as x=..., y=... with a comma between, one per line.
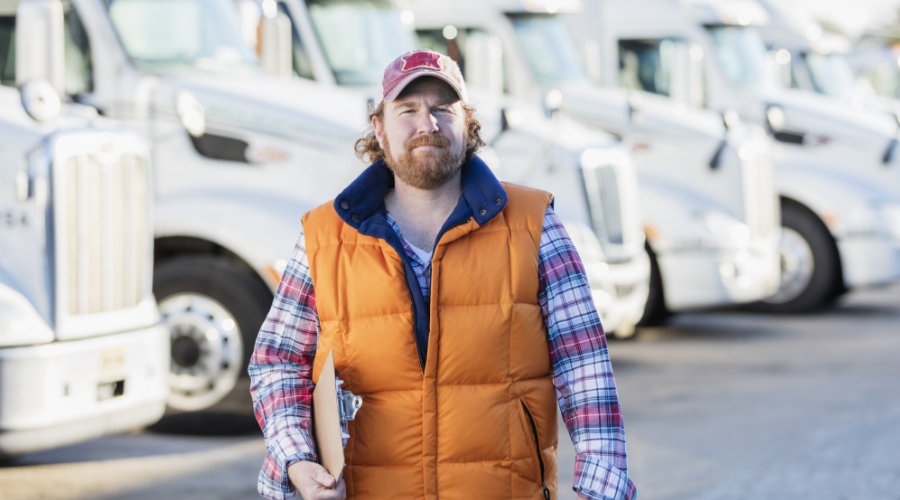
x=741, y=54
x=451, y=41
x=646, y=65
x=79, y=72
x=831, y=74
x=672, y=67
x=300, y=60
x=359, y=38
x=8, y=51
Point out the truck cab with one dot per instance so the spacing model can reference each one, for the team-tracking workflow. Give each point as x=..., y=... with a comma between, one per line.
x=707, y=205
x=348, y=45
x=238, y=155
x=835, y=168
x=809, y=59
x=81, y=351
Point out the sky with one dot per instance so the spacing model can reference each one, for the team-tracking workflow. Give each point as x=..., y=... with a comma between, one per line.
x=854, y=16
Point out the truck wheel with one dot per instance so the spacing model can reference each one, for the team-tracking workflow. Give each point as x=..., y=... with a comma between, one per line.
x=810, y=264
x=214, y=311
x=655, y=312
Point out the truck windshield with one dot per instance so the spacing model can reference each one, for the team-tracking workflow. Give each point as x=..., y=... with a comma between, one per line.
x=741, y=54
x=549, y=50
x=831, y=74
x=164, y=36
x=360, y=38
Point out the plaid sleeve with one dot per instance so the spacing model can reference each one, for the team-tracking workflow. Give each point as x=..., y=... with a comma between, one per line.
x=281, y=376
x=582, y=372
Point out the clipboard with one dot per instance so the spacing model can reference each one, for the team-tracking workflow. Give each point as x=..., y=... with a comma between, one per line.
x=332, y=409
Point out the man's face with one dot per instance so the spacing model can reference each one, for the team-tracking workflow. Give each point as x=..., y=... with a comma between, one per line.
x=423, y=133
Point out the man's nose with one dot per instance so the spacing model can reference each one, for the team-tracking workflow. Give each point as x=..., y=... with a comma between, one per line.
x=426, y=123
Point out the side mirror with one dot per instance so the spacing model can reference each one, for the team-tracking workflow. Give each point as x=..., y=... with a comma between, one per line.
x=250, y=15
x=635, y=106
x=40, y=100
x=590, y=52
x=697, y=86
x=191, y=113
x=40, y=43
x=484, y=62
x=277, y=41
x=510, y=119
x=553, y=102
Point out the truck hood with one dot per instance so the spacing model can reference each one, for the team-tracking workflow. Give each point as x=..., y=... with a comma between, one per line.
x=613, y=109
x=822, y=116
x=290, y=108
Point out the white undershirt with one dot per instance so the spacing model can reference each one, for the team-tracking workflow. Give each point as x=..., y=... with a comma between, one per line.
x=422, y=254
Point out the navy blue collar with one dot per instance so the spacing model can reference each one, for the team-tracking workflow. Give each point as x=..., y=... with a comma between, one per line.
x=482, y=196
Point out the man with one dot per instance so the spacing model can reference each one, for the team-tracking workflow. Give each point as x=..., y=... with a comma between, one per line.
x=455, y=305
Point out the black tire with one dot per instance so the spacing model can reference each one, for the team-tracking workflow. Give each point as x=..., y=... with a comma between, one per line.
x=826, y=283
x=238, y=290
x=655, y=312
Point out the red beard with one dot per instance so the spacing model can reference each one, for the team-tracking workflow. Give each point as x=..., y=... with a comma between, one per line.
x=428, y=170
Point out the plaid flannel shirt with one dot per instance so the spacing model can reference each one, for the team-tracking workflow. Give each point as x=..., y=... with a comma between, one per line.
x=281, y=370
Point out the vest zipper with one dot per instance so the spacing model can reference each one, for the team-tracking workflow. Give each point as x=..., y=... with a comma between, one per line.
x=416, y=338
x=537, y=446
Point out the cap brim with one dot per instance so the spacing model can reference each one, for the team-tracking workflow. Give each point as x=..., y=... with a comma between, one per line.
x=395, y=92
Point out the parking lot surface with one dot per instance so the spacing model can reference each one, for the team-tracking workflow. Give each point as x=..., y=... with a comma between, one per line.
x=725, y=405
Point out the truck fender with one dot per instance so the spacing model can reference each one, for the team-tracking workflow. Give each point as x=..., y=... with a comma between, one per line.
x=844, y=203
x=669, y=212
x=260, y=230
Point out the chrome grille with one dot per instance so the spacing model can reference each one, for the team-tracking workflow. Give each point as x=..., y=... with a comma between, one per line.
x=602, y=186
x=105, y=233
x=760, y=201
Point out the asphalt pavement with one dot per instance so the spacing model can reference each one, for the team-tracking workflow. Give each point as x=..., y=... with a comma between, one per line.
x=717, y=406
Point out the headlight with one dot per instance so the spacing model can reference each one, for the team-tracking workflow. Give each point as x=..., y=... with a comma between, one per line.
x=589, y=250
x=721, y=230
x=20, y=324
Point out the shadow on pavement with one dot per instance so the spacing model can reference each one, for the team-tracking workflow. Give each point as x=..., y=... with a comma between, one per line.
x=207, y=424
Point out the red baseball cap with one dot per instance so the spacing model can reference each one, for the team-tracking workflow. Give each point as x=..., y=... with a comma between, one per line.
x=419, y=63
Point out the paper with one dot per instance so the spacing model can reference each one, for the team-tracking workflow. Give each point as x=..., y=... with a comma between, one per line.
x=327, y=420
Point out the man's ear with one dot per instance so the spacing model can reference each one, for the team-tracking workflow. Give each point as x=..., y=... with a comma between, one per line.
x=378, y=126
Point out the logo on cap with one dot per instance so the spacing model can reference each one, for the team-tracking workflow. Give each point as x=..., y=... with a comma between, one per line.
x=424, y=59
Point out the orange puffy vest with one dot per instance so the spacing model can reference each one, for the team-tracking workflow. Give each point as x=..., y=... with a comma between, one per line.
x=478, y=420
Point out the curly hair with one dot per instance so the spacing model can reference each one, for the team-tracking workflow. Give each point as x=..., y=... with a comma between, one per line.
x=369, y=151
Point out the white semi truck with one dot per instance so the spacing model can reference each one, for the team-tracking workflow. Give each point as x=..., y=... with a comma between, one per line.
x=836, y=169
x=81, y=351
x=348, y=44
x=708, y=204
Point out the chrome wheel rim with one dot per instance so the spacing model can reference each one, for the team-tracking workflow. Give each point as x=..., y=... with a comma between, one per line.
x=207, y=350
x=797, y=267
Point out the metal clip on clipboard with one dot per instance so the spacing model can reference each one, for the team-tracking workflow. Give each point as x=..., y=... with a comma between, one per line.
x=348, y=405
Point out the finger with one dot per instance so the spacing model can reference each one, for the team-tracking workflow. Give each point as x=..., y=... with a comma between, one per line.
x=330, y=494
x=324, y=478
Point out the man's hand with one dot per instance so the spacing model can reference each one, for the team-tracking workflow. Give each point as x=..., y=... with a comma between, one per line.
x=315, y=483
